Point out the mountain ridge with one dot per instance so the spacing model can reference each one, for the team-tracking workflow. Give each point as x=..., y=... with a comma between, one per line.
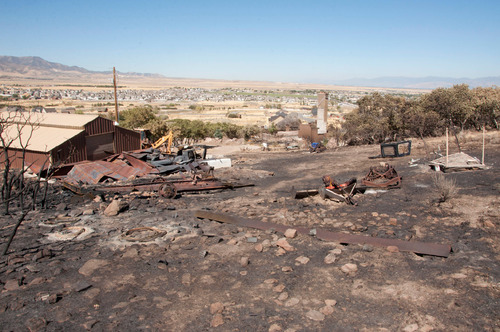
x=30, y=67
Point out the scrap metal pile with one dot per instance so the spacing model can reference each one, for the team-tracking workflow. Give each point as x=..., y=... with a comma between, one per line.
x=384, y=177
x=145, y=170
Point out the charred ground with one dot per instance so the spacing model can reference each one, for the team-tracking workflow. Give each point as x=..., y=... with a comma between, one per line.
x=202, y=275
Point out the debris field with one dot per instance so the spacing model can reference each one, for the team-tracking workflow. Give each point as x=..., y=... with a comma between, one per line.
x=137, y=260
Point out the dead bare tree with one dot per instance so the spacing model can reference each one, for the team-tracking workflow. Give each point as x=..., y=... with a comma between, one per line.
x=16, y=132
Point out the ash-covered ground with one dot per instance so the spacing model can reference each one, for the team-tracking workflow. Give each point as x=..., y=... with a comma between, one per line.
x=155, y=266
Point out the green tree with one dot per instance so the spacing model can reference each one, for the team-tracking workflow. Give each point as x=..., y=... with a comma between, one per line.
x=137, y=117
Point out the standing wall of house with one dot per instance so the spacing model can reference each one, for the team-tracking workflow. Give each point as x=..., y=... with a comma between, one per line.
x=99, y=126
x=126, y=140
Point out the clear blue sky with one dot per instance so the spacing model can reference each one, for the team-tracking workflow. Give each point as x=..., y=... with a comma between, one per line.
x=288, y=41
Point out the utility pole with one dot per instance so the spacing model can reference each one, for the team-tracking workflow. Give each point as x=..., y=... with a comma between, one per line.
x=116, y=99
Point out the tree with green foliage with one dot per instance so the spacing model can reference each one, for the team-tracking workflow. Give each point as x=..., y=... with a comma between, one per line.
x=137, y=117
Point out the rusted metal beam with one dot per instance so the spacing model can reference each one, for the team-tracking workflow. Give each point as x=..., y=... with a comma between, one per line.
x=425, y=248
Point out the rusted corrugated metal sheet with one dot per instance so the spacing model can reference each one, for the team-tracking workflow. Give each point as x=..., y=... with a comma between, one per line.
x=126, y=140
x=99, y=126
x=97, y=171
x=442, y=250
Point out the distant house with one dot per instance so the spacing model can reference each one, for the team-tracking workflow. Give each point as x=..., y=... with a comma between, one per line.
x=68, y=110
x=65, y=138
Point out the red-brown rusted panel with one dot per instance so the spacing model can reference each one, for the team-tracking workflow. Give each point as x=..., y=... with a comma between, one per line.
x=126, y=140
x=99, y=126
x=434, y=249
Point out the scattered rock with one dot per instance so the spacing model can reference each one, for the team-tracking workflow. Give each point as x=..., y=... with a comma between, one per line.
x=392, y=249
x=217, y=320
x=88, y=212
x=259, y=247
x=287, y=269
x=327, y=310
x=330, y=258
x=283, y=243
x=330, y=303
x=302, y=260
x=115, y=207
x=36, y=324
x=349, y=268
x=91, y=266
x=283, y=296
x=291, y=302
x=315, y=315
x=244, y=261
x=279, y=288
x=290, y=233
x=11, y=285
x=367, y=248
x=393, y=221
x=275, y=328
x=216, y=308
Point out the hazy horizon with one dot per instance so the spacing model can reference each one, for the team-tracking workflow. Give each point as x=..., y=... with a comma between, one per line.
x=276, y=41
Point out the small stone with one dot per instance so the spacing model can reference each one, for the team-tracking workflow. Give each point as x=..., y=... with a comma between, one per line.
x=243, y=273
x=280, y=252
x=131, y=253
x=270, y=281
x=11, y=285
x=411, y=328
x=274, y=328
x=36, y=324
x=287, y=269
x=244, y=261
x=216, y=308
x=393, y=221
x=331, y=303
x=392, y=249
x=279, y=288
x=252, y=239
x=37, y=281
x=186, y=279
x=54, y=298
x=349, y=268
x=259, y=247
x=375, y=214
x=217, y=320
x=290, y=233
x=330, y=258
x=115, y=207
x=61, y=207
x=315, y=315
x=88, y=325
x=232, y=242
x=336, y=251
x=291, y=302
x=283, y=296
x=302, y=260
x=367, y=248
x=327, y=310
x=91, y=266
x=283, y=243
x=88, y=212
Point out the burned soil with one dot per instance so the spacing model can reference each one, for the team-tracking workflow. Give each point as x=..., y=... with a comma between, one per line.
x=155, y=266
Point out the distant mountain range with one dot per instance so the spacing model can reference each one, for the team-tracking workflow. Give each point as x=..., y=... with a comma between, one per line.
x=30, y=67
x=430, y=82
x=36, y=67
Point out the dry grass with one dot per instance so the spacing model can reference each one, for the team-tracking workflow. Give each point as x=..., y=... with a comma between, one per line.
x=446, y=187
